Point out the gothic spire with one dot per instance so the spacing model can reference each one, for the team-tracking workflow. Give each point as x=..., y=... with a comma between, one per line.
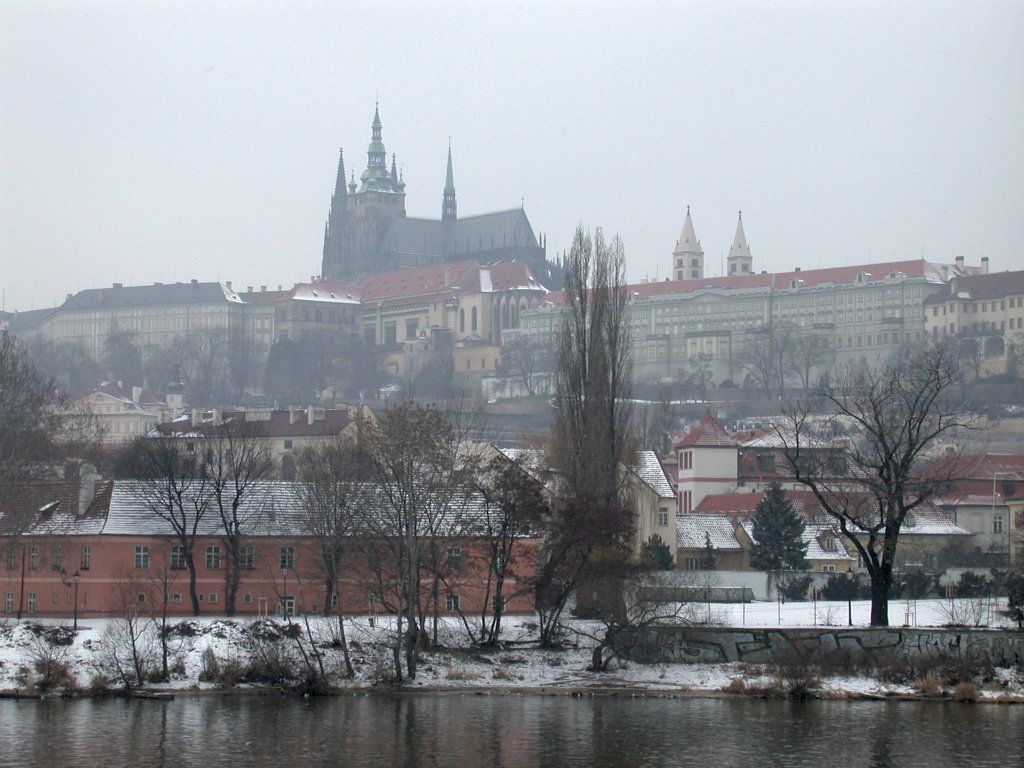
x=449, y=210
x=740, y=249
x=688, y=242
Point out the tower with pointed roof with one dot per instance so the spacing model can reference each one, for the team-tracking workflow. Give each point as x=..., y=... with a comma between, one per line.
x=708, y=462
x=336, y=228
x=449, y=210
x=739, y=262
x=688, y=256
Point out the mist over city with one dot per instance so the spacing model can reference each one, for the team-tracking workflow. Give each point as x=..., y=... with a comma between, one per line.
x=520, y=369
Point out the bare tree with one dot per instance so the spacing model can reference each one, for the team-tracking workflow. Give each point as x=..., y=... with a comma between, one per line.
x=765, y=356
x=522, y=360
x=897, y=415
x=808, y=352
x=31, y=413
x=591, y=434
x=237, y=466
x=173, y=487
x=332, y=488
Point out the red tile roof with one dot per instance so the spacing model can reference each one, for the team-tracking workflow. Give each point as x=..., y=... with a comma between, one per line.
x=709, y=433
x=916, y=268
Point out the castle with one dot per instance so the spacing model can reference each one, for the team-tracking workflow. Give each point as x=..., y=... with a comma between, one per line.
x=367, y=230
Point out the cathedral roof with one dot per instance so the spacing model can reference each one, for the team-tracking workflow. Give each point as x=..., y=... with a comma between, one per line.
x=467, y=235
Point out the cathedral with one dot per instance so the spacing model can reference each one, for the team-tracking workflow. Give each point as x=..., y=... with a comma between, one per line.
x=367, y=230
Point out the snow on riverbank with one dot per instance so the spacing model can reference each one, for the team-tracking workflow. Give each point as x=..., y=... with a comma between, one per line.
x=214, y=653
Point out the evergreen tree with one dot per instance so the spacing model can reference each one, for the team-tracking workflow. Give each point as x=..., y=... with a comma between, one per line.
x=708, y=562
x=656, y=555
x=778, y=531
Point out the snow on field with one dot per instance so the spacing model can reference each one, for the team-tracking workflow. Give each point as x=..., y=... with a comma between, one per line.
x=520, y=664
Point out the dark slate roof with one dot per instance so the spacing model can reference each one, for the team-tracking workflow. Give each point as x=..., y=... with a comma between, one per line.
x=468, y=235
x=24, y=321
x=279, y=424
x=149, y=295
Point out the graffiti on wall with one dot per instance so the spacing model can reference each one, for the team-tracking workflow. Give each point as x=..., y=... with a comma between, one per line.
x=690, y=645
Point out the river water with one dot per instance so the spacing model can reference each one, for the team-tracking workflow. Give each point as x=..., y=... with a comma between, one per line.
x=420, y=730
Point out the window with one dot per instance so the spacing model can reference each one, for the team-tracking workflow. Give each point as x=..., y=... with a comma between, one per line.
x=176, y=597
x=687, y=500
x=372, y=559
x=691, y=563
x=213, y=558
x=997, y=524
x=213, y=597
x=451, y=602
x=140, y=598
x=454, y=557
x=9, y=602
x=247, y=598
x=287, y=606
x=247, y=558
x=288, y=558
x=33, y=558
x=142, y=558
x=688, y=460
x=472, y=315
x=57, y=557
x=334, y=600
x=177, y=558
x=86, y=559
x=663, y=517
x=31, y=602
x=287, y=445
x=828, y=569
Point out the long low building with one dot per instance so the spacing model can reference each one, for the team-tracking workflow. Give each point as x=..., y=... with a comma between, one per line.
x=96, y=547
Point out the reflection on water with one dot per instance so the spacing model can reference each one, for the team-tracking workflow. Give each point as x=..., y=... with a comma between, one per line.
x=467, y=730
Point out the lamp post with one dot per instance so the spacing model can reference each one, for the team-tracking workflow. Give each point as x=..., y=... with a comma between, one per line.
x=849, y=597
x=284, y=597
x=74, y=581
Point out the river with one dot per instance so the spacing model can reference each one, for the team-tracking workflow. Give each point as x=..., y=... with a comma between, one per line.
x=421, y=730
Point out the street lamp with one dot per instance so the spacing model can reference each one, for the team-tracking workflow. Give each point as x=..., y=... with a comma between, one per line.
x=75, y=579
x=849, y=597
x=284, y=597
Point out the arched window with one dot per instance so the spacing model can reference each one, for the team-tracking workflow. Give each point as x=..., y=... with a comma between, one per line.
x=473, y=319
x=462, y=321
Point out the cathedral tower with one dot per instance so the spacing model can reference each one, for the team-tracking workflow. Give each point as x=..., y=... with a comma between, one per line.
x=739, y=262
x=449, y=211
x=688, y=256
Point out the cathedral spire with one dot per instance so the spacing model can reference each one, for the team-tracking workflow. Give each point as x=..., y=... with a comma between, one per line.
x=688, y=256
x=449, y=210
x=337, y=219
x=740, y=260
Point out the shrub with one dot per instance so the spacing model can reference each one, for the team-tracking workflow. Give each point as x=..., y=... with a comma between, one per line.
x=211, y=668
x=971, y=585
x=794, y=588
x=98, y=685
x=966, y=692
x=927, y=686
x=916, y=585
x=841, y=587
x=736, y=685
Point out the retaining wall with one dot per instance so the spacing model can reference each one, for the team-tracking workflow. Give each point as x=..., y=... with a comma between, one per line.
x=692, y=645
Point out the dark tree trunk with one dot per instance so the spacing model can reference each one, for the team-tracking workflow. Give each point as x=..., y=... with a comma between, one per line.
x=881, y=583
x=190, y=562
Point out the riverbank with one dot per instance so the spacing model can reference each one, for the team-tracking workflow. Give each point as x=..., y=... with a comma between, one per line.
x=218, y=656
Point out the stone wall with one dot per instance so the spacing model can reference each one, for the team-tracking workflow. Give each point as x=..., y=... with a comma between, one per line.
x=691, y=645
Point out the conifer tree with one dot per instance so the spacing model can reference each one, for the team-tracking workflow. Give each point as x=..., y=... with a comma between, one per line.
x=778, y=531
x=656, y=555
x=708, y=561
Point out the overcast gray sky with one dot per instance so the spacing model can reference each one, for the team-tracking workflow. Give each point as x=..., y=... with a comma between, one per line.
x=166, y=141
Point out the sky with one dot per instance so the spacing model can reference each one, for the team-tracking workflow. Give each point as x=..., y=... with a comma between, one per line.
x=159, y=141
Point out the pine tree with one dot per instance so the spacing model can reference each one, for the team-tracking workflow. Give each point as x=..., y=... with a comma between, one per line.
x=708, y=561
x=656, y=555
x=778, y=531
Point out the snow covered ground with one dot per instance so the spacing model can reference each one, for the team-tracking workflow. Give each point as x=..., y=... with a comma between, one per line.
x=229, y=644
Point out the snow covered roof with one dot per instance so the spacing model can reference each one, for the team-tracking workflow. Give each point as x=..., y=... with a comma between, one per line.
x=817, y=537
x=694, y=529
x=647, y=468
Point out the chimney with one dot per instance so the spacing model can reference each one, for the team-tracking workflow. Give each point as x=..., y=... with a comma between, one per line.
x=68, y=297
x=315, y=414
x=87, y=477
x=136, y=395
x=248, y=289
x=984, y=265
x=195, y=283
x=119, y=285
x=960, y=264
x=797, y=269
x=228, y=284
x=218, y=415
x=945, y=273
x=293, y=413
x=197, y=417
x=263, y=289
